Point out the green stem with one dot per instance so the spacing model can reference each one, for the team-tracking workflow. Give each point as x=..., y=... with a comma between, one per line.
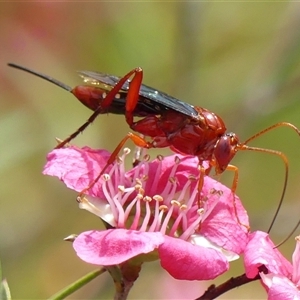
x=76, y=285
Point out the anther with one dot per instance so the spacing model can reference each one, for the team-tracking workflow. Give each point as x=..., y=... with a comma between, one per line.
x=192, y=177
x=138, y=187
x=138, y=182
x=147, y=199
x=140, y=196
x=175, y=203
x=158, y=198
x=172, y=180
x=177, y=160
x=126, y=150
x=141, y=191
x=200, y=211
x=163, y=207
x=160, y=157
x=121, y=188
x=145, y=177
x=183, y=207
x=105, y=177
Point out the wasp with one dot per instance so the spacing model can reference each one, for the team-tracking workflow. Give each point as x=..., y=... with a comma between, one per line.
x=167, y=121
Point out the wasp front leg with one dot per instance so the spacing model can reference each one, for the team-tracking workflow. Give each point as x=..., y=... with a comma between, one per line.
x=136, y=139
x=234, y=185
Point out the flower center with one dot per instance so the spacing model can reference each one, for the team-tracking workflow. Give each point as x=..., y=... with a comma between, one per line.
x=153, y=196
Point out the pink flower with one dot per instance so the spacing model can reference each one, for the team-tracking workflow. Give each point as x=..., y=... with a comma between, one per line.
x=283, y=279
x=154, y=210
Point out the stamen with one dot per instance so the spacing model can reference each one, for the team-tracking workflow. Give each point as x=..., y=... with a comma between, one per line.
x=200, y=211
x=172, y=175
x=117, y=175
x=113, y=186
x=158, y=198
x=121, y=189
x=177, y=221
x=156, y=212
x=121, y=214
x=106, y=177
x=164, y=226
x=145, y=178
x=119, y=160
x=175, y=203
x=142, y=167
x=193, y=197
x=109, y=197
x=192, y=227
x=156, y=176
x=126, y=195
x=171, y=193
x=177, y=160
x=147, y=216
x=121, y=170
x=172, y=180
x=186, y=215
x=126, y=151
x=147, y=199
x=213, y=201
x=183, y=207
x=138, y=182
x=131, y=205
x=141, y=191
x=162, y=209
x=146, y=158
x=160, y=157
x=184, y=193
x=192, y=177
x=135, y=223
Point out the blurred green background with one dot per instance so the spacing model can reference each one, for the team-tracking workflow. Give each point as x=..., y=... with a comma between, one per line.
x=240, y=60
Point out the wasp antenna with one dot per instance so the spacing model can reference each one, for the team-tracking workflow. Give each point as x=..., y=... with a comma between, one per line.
x=286, y=165
x=43, y=76
x=244, y=146
x=280, y=124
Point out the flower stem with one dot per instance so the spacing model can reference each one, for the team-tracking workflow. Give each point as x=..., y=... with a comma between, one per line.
x=215, y=291
x=77, y=285
x=123, y=293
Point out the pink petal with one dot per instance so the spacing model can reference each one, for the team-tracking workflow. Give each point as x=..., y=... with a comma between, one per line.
x=260, y=251
x=222, y=226
x=186, y=261
x=280, y=287
x=114, y=246
x=296, y=262
x=77, y=167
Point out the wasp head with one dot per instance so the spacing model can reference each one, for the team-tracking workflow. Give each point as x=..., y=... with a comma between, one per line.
x=225, y=150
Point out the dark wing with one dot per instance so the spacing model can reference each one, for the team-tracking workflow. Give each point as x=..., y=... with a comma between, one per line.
x=156, y=100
